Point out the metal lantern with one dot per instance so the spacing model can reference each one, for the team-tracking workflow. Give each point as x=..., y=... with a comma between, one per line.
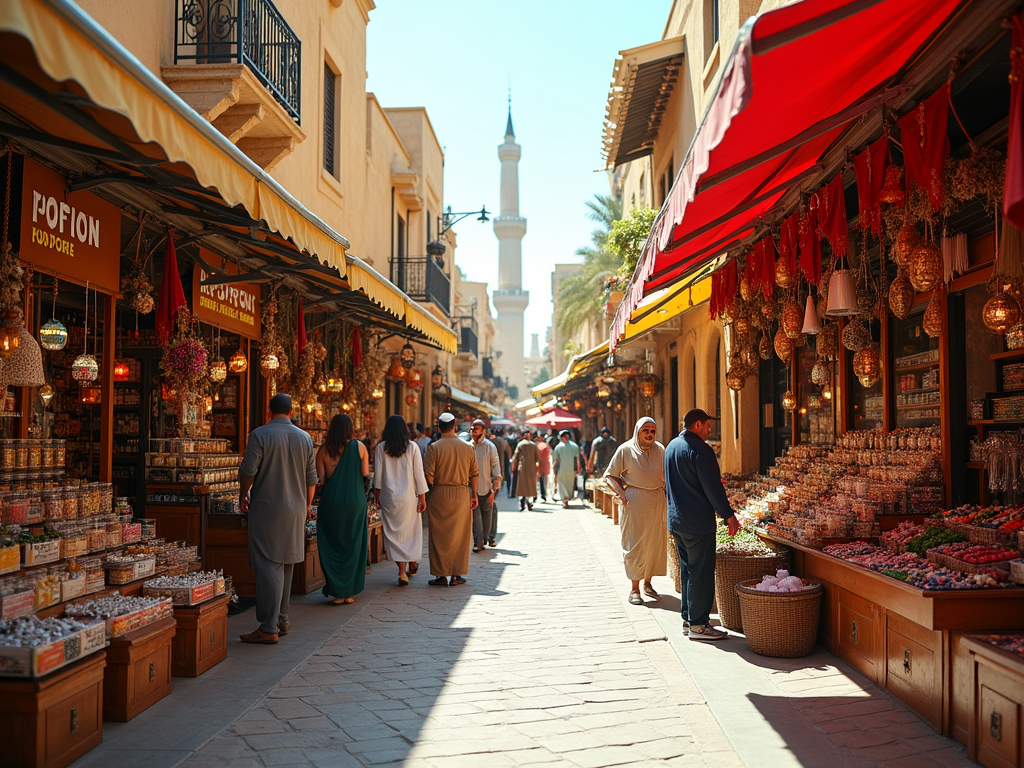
x=1001, y=313
x=867, y=381
x=932, y=322
x=437, y=377
x=335, y=384
x=46, y=394
x=10, y=334
x=784, y=277
x=925, y=268
x=892, y=190
x=741, y=327
x=827, y=344
x=25, y=368
x=121, y=370
x=764, y=348
x=53, y=335
x=792, y=319
x=238, y=363
x=820, y=374
x=856, y=335
x=414, y=378
x=867, y=362
x=377, y=394
x=784, y=345
x=811, y=325
x=408, y=355
x=396, y=370
x=735, y=379
x=901, y=296
x=648, y=385
x=907, y=239
x=218, y=370
x=269, y=363
x=321, y=384
x=789, y=400
x=603, y=392
x=85, y=369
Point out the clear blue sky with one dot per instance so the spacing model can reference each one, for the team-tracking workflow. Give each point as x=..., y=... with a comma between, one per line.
x=457, y=57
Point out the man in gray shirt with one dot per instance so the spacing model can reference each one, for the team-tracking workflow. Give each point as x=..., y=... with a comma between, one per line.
x=487, y=484
x=277, y=480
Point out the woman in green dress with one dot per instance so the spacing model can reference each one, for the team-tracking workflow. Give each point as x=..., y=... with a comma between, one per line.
x=341, y=532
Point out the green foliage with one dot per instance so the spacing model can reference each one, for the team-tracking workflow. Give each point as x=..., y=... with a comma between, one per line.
x=627, y=238
x=542, y=375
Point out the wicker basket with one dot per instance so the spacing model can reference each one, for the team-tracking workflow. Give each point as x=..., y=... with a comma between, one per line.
x=673, y=564
x=730, y=570
x=783, y=625
x=955, y=564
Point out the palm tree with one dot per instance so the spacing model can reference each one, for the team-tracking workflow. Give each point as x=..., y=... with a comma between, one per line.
x=581, y=297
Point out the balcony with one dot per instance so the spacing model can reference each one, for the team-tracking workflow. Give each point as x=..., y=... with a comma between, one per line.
x=468, y=336
x=238, y=64
x=422, y=280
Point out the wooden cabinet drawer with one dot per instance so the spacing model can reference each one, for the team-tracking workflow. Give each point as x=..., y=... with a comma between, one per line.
x=998, y=726
x=858, y=634
x=138, y=670
x=201, y=638
x=914, y=667
x=71, y=723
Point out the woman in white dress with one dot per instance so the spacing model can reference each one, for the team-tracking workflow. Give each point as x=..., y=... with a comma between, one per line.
x=400, y=488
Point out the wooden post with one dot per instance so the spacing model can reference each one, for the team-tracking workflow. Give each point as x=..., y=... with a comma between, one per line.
x=107, y=391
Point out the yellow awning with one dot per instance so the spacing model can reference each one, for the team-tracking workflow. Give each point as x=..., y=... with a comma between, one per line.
x=551, y=385
x=525, y=405
x=69, y=45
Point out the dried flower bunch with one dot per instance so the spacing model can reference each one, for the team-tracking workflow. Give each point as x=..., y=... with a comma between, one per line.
x=185, y=358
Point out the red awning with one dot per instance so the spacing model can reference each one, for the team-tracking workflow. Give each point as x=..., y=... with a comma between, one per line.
x=794, y=80
x=559, y=418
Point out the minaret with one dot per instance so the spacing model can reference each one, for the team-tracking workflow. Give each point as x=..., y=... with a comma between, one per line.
x=510, y=300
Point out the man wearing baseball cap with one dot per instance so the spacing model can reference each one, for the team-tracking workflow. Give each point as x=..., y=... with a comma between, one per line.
x=693, y=483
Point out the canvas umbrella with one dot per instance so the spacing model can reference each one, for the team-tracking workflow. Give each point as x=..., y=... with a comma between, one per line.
x=558, y=418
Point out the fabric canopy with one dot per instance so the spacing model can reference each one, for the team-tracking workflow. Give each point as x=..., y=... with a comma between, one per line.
x=794, y=80
x=559, y=418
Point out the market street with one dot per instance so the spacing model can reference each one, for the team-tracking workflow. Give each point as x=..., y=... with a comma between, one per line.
x=538, y=660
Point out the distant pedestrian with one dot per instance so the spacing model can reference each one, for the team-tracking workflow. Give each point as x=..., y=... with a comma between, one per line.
x=513, y=441
x=601, y=452
x=422, y=440
x=695, y=493
x=451, y=470
x=543, y=467
x=497, y=437
x=487, y=483
x=525, y=463
x=636, y=474
x=277, y=480
x=400, y=488
x=342, y=536
x=567, y=466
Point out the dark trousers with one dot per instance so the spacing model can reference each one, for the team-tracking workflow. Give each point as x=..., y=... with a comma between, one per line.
x=512, y=483
x=543, y=480
x=482, y=520
x=697, y=574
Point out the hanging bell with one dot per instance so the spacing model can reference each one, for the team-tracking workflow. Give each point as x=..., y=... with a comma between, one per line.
x=842, y=295
x=892, y=190
x=811, y=323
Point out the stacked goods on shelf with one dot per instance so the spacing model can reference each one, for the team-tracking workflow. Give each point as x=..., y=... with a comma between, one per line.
x=122, y=614
x=896, y=540
x=187, y=589
x=985, y=525
x=915, y=570
x=31, y=647
x=200, y=463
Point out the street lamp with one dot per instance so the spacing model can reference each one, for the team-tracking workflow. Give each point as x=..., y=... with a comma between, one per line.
x=446, y=221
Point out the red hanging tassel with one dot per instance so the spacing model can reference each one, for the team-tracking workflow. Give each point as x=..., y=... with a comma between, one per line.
x=926, y=145
x=831, y=218
x=788, y=241
x=301, y=333
x=172, y=295
x=869, y=167
x=766, y=248
x=810, y=242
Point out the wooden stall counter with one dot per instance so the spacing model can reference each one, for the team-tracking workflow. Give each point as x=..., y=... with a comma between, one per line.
x=51, y=722
x=138, y=670
x=906, y=639
x=200, y=641
x=308, y=575
x=996, y=733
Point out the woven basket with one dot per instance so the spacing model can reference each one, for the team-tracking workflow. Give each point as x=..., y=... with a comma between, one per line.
x=730, y=570
x=897, y=548
x=955, y=564
x=780, y=625
x=673, y=565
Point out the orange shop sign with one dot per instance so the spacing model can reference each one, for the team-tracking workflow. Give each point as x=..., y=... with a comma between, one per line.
x=235, y=307
x=74, y=234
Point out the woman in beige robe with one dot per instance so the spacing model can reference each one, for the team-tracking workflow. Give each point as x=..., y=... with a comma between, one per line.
x=637, y=476
x=524, y=461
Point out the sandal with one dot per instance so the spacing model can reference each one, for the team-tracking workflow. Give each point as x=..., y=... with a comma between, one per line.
x=649, y=591
x=412, y=568
x=343, y=600
x=403, y=580
x=635, y=599
x=440, y=581
x=457, y=581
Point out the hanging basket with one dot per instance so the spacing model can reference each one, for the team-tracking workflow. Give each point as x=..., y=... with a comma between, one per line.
x=925, y=268
x=901, y=296
x=782, y=625
x=856, y=336
x=731, y=569
x=784, y=345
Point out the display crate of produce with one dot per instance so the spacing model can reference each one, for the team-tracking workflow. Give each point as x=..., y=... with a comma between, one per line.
x=39, y=552
x=953, y=563
x=122, y=625
x=194, y=595
x=127, y=572
x=131, y=532
x=72, y=588
x=97, y=539
x=39, y=660
x=95, y=581
x=10, y=559
x=1013, y=377
x=17, y=604
x=74, y=545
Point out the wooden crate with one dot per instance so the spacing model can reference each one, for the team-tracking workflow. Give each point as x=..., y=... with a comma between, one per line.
x=996, y=734
x=228, y=550
x=138, y=670
x=51, y=722
x=200, y=641
x=377, y=553
x=308, y=576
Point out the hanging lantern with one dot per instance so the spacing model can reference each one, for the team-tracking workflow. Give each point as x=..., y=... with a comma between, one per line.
x=437, y=377
x=53, y=335
x=1001, y=313
x=321, y=384
x=335, y=384
x=765, y=347
x=10, y=335
x=1015, y=337
x=746, y=288
x=269, y=363
x=735, y=379
x=827, y=344
x=867, y=381
x=842, y=294
x=749, y=356
x=907, y=239
x=396, y=370
x=25, y=368
x=619, y=407
x=412, y=398
x=603, y=392
x=901, y=296
x=892, y=190
x=408, y=355
x=784, y=278
x=811, y=323
x=792, y=319
x=820, y=374
x=414, y=378
x=784, y=345
x=932, y=322
x=121, y=370
x=648, y=385
x=856, y=335
x=741, y=328
x=925, y=268
x=218, y=370
x=46, y=394
x=867, y=362
x=789, y=400
x=377, y=394
x=85, y=369
x=238, y=363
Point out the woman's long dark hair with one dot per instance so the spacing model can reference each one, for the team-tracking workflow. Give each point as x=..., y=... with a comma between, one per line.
x=396, y=436
x=338, y=435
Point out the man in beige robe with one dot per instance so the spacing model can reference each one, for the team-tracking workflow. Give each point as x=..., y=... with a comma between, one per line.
x=525, y=461
x=451, y=470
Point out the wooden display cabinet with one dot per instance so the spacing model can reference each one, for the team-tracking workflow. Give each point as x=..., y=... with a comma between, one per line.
x=996, y=732
x=200, y=641
x=227, y=549
x=308, y=576
x=138, y=670
x=51, y=722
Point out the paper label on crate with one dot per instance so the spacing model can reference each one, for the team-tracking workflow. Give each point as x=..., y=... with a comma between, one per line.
x=41, y=552
x=203, y=592
x=94, y=638
x=52, y=656
x=21, y=604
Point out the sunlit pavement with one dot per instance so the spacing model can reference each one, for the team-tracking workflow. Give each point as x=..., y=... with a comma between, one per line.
x=538, y=660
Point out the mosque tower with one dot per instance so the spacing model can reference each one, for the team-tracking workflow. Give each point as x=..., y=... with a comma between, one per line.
x=510, y=300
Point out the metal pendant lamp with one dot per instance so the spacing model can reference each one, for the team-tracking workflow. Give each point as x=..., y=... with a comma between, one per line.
x=842, y=293
x=811, y=323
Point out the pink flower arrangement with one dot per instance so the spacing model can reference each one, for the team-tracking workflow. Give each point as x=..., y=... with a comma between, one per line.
x=186, y=358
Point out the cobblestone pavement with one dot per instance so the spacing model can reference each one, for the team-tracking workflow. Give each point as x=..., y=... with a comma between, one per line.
x=540, y=661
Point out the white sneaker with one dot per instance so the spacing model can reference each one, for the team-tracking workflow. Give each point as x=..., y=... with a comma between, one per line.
x=707, y=632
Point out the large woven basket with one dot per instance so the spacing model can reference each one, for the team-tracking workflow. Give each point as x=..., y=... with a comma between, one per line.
x=730, y=570
x=783, y=625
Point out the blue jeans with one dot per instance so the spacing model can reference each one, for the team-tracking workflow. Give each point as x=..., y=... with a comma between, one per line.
x=697, y=574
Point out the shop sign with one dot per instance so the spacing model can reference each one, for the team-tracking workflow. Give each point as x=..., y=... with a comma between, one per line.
x=74, y=234
x=234, y=307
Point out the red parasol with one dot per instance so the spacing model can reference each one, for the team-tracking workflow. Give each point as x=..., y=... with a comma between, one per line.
x=559, y=418
x=172, y=295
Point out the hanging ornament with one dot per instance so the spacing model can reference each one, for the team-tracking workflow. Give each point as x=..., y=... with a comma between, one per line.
x=1001, y=312
x=867, y=381
x=396, y=371
x=414, y=378
x=335, y=384
x=52, y=334
x=784, y=277
x=867, y=362
x=765, y=347
x=925, y=268
x=269, y=363
x=812, y=325
x=789, y=400
x=321, y=385
x=820, y=374
x=121, y=370
x=932, y=322
x=746, y=288
x=750, y=358
x=901, y=295
x=46, y=394
x=735, y=379
x=792, y=319
x=907, y=239
x=377, y=394
x=84, y=369
x=412, y=398
x=856, y=335
x=218, y=370
x=784, y=346
x=892, y=190
x=238, y=362
x=741, y=328
x=648, y=385
x=827, y=344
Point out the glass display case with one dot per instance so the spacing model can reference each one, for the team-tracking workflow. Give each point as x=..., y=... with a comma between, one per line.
x=866, y=405
x=915, y=371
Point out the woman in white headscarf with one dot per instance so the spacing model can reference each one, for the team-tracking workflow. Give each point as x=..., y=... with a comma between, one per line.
x=637, y=476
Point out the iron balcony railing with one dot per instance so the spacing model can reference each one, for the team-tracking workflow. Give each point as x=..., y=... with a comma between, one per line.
x=422, y=279
x=250, y=32
x=468, y=338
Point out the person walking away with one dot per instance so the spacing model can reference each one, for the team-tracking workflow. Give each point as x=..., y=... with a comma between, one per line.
x=636, y=474
x=525, y=462
x=567, y=466
x=341, y=532
x=513, y=441
x=543, y=467
x=497, y=437
x=695, y=494
x=422, y=439
x=400, y=488
x=451, y=470
x=601, y=452
x=487, y=483
x=276, y=481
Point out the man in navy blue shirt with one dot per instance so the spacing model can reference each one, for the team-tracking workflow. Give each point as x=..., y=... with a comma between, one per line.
x=693, y=483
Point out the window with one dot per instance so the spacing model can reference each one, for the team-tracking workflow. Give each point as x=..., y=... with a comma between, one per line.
x=429, y=219
x=330, y=120
x=401, y=239
x=710, y=27
x=643, y=188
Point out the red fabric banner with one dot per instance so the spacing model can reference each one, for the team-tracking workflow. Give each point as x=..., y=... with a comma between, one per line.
x=1013, y=195
x=356, y=340
x=831, y=215
x=766, y=245
x=869, y=166
x=926, y=145
x=172, y=295
x=788, y=239
x=301, y=332
x=810, y=241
